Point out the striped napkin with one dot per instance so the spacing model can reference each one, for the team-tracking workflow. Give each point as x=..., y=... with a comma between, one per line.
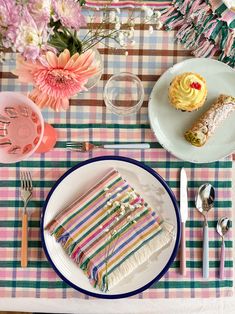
x=206, y=27
x=109, y=231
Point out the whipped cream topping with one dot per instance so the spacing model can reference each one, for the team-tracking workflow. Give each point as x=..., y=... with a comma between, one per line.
x=185, y=94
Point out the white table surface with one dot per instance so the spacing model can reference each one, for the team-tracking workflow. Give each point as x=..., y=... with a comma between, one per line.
x=124, y=306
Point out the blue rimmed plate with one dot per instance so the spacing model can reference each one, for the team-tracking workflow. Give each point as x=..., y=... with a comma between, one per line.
x=154, y=190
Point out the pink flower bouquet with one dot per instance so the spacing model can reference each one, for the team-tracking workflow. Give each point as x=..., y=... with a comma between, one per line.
x=52, y=56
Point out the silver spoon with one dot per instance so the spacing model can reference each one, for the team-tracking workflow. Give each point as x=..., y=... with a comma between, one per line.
x=204, y=202
x=222, y=228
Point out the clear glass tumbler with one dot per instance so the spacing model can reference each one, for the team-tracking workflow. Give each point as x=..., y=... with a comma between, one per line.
x=124, y=94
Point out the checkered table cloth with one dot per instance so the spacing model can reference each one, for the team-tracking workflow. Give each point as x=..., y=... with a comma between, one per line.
x=88, y=119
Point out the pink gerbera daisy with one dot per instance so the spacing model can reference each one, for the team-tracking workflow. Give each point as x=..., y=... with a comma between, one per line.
x=56, y=79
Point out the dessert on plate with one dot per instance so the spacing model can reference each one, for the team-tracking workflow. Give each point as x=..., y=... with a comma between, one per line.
x=110, y=230
x=187, y=91
x=206, y=125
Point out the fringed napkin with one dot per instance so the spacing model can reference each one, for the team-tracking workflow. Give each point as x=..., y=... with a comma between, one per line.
x=109, y=231
x=206, y=27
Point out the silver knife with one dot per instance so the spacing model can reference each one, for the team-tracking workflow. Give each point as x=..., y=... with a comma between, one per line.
x=184, y=217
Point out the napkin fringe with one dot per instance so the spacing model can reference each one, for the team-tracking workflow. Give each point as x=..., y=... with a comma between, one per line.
x=159, y=242
x=201, y=29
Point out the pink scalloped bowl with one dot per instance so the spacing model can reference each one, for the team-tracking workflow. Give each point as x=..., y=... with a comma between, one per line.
x=21, y=127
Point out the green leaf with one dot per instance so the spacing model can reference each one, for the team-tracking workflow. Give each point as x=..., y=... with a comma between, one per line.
x=58, y=43
x=61, y=41
x=82, y=2
x=55, y=24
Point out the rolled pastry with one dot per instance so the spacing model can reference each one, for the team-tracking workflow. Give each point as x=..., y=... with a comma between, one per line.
x=206, y=125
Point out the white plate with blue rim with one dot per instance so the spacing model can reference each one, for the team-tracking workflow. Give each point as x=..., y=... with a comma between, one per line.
x=169, y=124
x=153, y=189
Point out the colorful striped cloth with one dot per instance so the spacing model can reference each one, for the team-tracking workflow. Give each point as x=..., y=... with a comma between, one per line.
x=89, y=120
x=109, y=231
x=205, y=26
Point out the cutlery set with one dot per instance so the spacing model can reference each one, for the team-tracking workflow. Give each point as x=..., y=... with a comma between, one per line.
x=204, y=202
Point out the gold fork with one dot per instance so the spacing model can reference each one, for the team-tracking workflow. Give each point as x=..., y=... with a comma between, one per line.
x=26, y=189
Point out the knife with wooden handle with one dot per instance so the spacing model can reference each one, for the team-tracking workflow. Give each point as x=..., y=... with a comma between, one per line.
x=184, y=216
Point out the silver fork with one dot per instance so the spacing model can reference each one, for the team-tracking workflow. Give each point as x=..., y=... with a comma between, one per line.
x=26, y=189
x=86, y=146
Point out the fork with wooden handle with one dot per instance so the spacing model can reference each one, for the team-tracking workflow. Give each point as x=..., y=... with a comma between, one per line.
x=26, y=188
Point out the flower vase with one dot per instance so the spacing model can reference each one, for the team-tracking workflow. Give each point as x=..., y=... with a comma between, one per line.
x=92, y=81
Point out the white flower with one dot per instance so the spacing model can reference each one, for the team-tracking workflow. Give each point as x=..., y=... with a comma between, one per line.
x=130, y=33
x=126, y=53
x=122, y=43
x=106, y=189
x=157, y=14
x=28, y=35
x=144, y=8
x=117, y=19
x=149, y=12
x=118, y=10
x=132, y=194
x=117, y=26
x=112, y=16
x=159, y=25
x=150, y=29
x=115, y=1
x=2, y=57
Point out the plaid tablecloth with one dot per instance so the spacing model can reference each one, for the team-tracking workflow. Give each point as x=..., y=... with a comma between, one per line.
x=88, y=119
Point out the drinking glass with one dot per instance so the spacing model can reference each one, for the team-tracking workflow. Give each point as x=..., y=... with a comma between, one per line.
x=124, y=94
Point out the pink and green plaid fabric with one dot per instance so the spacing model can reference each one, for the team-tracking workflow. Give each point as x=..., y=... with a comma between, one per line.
x=88, y=119
x=204, y=26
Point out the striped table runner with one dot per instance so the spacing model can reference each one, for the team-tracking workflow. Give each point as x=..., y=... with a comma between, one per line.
x=88, y=119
